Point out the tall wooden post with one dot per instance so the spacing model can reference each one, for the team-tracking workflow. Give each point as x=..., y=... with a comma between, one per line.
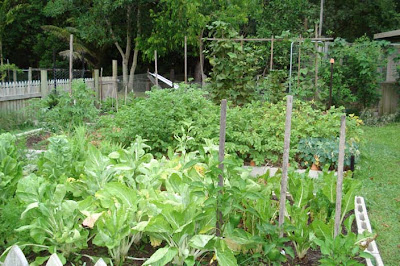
x=29, y=80
x=115, y=81
x=71, y=61
x=299, y=65
x=96, y=76
x=44, y=86
x=332, y=61
x=321, y=18
x=186, y=59
x=201, y=61
x=155, y=67
x=285, y=163
x=339, y=184
x=271, y=63
x=221, y=155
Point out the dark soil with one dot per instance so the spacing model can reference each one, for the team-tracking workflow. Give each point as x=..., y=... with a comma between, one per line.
x=37, y=141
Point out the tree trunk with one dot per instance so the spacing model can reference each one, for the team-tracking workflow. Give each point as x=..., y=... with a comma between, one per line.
x=125, y=62
x=133, y=67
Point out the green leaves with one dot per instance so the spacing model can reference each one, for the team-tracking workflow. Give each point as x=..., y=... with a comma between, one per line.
x=162, y=256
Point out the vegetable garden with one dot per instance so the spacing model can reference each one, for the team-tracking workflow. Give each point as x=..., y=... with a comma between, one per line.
x=141, y=187
x=171, y=176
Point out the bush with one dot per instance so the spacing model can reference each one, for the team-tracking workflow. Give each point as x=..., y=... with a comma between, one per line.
x=325, y=151
x=254, y=131
x=370, y=119
x=63, y=112
x=355, y=77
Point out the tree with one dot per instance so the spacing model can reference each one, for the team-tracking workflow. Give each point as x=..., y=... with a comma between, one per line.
x=7, y=16
x=119, y=23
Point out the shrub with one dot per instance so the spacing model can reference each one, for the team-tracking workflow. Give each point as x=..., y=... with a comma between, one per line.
x=63, y=112
x=325, y=151
x=254, y=131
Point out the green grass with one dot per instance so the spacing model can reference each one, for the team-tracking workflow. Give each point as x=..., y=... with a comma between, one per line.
x=379, y=170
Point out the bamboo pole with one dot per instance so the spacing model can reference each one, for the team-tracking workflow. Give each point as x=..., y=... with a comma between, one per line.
x=285, y=163
x=339, y=184
x=71, y=51
x=186, y=80
x=221, y=155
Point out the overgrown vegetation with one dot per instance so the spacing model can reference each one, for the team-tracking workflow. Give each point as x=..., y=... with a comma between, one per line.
x=127, y=198
x=63, y=112
x=254, y=130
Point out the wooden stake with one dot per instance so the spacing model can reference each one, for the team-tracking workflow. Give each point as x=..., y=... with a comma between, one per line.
x=299, y=65
x=285, y=163
x=271, y=63
x=221, y=155
x=101, y=85
x=29, y=80
x=185, y=59
x=201, y=61
x=71, y=51
x=339, y=184
x=115, y=81
x=155, y=66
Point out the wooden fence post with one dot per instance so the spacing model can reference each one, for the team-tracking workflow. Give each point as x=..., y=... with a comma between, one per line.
x=221, y=155
x=44, y=86
x=29, y=80
x=115, y=81
x=96, y=83
x=339, y=184
x=155, y=67
x=185, y=59
x=285, y=163
x=71, y=61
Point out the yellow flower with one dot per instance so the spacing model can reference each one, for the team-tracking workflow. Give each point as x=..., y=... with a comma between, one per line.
x=199, y=169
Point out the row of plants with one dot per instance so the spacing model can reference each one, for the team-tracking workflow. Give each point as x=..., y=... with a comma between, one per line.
x=240, y=69
x=254, y=131
x=79, y=195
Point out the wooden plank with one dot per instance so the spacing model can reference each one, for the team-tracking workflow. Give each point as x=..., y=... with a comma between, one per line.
x=261, y=39
x=20, y=97
x=387, y=34
x=221, y=156
x=285, y=163
x=339, y=184
x=54, y=261
x=15, y=258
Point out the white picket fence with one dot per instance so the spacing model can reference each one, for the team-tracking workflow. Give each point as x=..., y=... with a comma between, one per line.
x=16, y=257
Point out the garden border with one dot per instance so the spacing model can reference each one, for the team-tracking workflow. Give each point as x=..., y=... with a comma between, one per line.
x=363, y=224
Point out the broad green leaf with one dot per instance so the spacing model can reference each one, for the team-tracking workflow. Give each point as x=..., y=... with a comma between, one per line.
x=200, y=241
x=162, y=256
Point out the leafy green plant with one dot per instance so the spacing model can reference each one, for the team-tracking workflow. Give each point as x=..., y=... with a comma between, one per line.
x=235, y=66
x=356, y=79
x=342, y=249
x=53, y=221
x=325, y=151
x=10, y=166
x=370, y=119
x=63, y=112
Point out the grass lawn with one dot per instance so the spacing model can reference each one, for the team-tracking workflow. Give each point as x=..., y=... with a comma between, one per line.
x=379, y=170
